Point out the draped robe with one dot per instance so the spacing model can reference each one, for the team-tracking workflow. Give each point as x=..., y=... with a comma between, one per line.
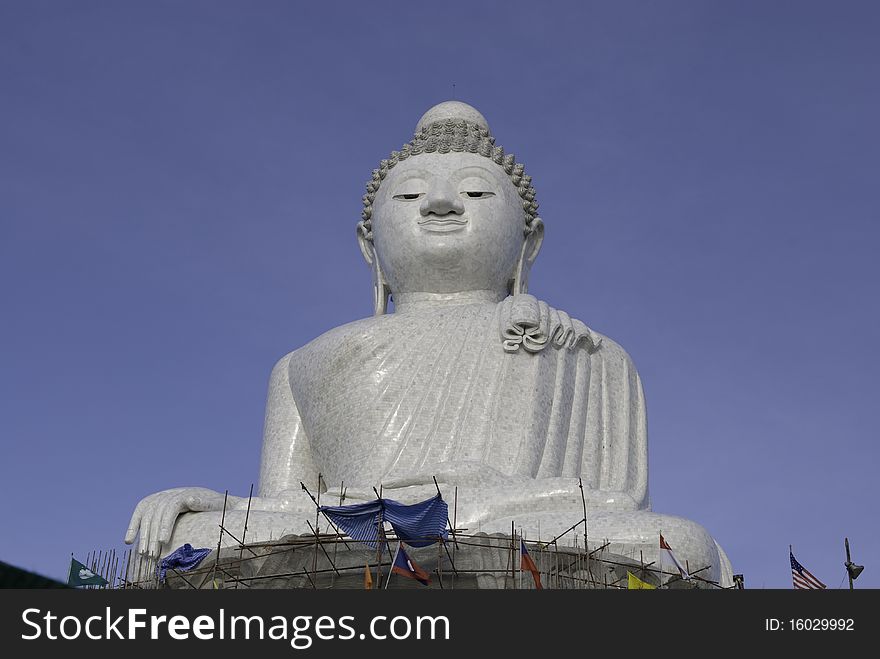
x=400, y=397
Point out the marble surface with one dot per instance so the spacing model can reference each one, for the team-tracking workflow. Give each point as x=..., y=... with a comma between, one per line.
x=472, y=380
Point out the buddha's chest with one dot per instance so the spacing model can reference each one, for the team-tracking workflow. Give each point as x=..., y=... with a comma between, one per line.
x=378, y=405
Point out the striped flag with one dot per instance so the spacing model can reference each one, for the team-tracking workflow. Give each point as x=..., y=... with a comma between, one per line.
x=801, y=576
x=418, y=524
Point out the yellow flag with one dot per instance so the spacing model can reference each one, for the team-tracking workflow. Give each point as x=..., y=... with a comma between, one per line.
x=634, y=583
x=368, y=577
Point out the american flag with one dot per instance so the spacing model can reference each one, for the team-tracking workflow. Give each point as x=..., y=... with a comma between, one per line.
x=801, y=576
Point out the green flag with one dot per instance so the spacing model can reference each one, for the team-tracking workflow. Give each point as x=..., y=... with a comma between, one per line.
x=80, y=575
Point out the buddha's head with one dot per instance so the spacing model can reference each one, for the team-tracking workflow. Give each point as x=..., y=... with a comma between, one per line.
x=450, y=212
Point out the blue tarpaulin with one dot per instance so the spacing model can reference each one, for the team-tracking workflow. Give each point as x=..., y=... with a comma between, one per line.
x=181, y=559
x=418, y=525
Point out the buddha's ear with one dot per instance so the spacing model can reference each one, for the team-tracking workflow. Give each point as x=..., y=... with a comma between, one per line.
x=366, y=244
x=381, y=290
x=534, y=241
x=530, y=248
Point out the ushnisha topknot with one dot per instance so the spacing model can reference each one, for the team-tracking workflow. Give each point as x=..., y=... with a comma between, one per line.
x=455, y=127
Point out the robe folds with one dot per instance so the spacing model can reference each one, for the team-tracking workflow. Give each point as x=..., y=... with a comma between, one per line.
x=512, y=390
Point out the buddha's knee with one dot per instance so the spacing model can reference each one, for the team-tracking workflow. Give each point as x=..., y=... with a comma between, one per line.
x=639, y=531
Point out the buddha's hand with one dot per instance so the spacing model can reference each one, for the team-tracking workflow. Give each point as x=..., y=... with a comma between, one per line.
x=155, y=515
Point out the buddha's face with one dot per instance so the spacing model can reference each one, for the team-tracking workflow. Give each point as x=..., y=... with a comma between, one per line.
x=448, y=223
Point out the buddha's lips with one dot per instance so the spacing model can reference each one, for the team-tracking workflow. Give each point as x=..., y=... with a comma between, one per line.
x=442, y=221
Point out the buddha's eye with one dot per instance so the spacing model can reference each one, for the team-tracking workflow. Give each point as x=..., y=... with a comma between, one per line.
x=410, y=196
x=478, y=194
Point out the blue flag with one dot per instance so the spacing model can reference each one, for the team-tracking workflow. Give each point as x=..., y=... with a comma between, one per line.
x=418, y=525
x=181, y=559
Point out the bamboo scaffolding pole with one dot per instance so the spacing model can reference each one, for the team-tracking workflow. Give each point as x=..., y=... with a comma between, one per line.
x=220, y=539
x=316, y=529
x=450, y=524
x=127, y=565
x=244, y=531
x=105, y=566
x=455, y=530
x=380, y=538
x=315, y=565
x=187, y=581
x=336, y=545
x=96, y=565
x=309, y=577
x=318, y=507
x=223, y=529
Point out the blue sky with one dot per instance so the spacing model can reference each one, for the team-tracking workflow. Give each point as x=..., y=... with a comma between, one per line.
x=180, y=185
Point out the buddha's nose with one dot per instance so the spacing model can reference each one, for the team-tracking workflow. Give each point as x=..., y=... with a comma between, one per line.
x=441, y=199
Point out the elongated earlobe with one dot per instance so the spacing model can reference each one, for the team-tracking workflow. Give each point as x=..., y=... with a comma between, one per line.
x=381, y=290
x=529, y=252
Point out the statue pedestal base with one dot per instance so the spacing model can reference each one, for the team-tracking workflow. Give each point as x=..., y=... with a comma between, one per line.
x=479, y=561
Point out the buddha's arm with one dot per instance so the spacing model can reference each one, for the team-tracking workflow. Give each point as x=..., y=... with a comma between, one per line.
x=286, y=456
x=607, y=451
x=615, y=455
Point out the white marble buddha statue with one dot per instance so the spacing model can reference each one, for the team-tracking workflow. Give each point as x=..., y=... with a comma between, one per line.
x=471, y=380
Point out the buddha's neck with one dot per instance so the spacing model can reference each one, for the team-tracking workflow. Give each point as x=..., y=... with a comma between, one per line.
x=415, y=302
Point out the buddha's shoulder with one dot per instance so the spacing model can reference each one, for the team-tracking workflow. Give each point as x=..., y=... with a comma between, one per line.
x=349, y=335
x=606, y=349
x=601, y=347
x=612, y=352
x=542, y=326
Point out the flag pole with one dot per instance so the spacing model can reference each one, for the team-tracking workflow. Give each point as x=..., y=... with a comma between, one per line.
x=663, y=561
x=391, y=571
x=584, y=502
x=520, y=559
x=848, y=561
x=513, y=554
